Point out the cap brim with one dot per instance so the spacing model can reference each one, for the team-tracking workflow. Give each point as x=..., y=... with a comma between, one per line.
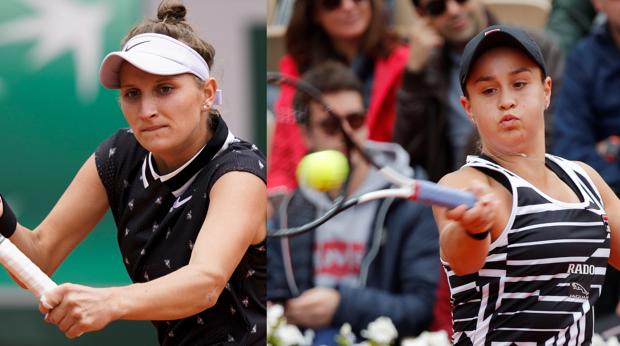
x=111, y=66
x=498, y=36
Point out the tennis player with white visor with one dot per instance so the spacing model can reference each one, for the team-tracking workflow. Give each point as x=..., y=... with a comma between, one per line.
x=187, y=196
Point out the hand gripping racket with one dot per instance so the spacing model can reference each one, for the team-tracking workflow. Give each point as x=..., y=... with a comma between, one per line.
x=25, y=270
x=420, y=191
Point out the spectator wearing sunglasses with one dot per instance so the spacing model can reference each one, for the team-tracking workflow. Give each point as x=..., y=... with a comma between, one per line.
x=377, y=259
x=431, y=124
x=352, y=32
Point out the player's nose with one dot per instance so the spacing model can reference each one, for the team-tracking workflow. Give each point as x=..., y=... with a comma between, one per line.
x=148, y=108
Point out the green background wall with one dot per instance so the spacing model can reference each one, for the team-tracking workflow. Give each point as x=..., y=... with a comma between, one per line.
x=53, y=114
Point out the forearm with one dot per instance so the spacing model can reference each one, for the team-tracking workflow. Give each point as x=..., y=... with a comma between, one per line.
x=464, y=254
x=45, y=256
x=46, y=245
x=28, y=242
x=180, y=294
x=77, y=212
x=10, y=228
x=78, y=309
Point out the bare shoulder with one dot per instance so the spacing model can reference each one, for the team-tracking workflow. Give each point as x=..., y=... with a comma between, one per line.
x=463, y=177
x=591, y=172
x=596, y=178
x=240, y=181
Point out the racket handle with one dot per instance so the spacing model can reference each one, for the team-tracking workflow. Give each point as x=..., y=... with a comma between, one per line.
x=24, y=269
x=431, y=193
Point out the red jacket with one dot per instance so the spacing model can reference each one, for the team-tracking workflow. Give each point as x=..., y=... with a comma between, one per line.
x=288, y=146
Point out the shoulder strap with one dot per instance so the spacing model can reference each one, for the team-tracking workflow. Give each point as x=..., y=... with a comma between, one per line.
x=561, y=173
x=496, y=175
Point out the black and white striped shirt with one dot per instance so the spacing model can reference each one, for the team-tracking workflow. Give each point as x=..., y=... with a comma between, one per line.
x=543, y=273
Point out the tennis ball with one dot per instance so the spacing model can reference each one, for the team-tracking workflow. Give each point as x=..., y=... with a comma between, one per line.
x=323, y=170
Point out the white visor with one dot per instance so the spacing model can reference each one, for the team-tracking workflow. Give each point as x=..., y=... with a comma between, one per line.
x=156, y=54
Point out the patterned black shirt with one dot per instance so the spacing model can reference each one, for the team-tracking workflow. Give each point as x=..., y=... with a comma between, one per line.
x=158, y=218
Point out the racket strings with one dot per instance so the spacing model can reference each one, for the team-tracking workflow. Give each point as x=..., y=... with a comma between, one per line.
x=291, y=115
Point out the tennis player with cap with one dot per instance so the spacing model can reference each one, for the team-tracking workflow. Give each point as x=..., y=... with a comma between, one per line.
x=527, y=262
x=187, y=196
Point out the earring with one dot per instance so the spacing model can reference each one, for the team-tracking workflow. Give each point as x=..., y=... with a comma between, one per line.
x=205, y=106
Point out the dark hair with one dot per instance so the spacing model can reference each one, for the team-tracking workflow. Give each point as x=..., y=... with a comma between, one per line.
x=327, y=77
x=308, y=43
x=171, y=22
x=416, y=3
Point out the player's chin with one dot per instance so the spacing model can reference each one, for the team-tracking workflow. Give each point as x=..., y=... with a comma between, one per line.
x=156, y=146
x=514, y=146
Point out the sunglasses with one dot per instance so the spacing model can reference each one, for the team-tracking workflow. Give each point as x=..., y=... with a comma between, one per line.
x=438, y=7
x=330, y=5
x=331, y=124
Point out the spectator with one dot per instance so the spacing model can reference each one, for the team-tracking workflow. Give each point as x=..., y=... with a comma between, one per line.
x=350, y=31
x=430, y=124
x=284, y=9
x=587, y=124
x=377, y=259
x=570, y=21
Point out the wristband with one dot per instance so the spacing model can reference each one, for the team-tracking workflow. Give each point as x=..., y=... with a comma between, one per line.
x=8, y=221
x=479, y=236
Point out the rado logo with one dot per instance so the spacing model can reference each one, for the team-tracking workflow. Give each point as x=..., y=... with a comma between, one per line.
x=581, y=269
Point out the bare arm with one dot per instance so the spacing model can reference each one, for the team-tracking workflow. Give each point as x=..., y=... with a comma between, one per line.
x=612, y=205
x=221, y=244
x=223, y=241
x=75, y=214
x=463, y=253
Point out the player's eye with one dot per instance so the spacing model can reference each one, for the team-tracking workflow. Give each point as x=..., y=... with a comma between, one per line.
x=520, y=84
x=131, y=93
x=489, y=91
x=165, y=89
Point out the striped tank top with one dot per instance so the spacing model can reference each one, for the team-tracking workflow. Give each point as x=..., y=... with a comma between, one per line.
x=543, y=273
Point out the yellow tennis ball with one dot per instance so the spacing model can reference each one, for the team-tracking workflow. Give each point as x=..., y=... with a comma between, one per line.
x=323, y=170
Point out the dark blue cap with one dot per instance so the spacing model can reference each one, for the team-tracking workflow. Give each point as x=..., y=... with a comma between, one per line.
x=499, y=36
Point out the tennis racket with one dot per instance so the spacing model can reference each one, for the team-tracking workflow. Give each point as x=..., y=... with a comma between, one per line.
x=420, y=191
x=25, y=270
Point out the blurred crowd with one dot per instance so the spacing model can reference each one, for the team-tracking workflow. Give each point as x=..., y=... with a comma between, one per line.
x=383, y=259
